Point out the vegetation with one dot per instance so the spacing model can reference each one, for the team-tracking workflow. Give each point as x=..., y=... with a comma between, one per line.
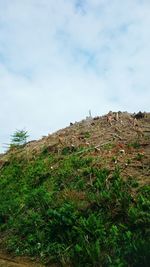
x=65, y=208
x=19, y=138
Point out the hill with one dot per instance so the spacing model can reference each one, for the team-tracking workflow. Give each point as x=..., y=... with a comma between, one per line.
x=80, y=196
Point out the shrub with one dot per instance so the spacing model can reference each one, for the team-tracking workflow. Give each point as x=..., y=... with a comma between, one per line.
x=76, y=213
x=19, y=138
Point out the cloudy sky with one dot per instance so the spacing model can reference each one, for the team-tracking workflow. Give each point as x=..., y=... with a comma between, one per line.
x=61, y=58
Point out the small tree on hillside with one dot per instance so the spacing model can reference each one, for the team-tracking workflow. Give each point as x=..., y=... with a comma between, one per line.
x=19, y=138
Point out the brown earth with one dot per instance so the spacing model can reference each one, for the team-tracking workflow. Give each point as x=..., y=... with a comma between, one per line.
x=11, y=261
x=125, y=141
x=8, y=261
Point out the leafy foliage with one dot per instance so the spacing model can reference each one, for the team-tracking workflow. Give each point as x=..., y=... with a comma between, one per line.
x=67, y=209
x=19, y=138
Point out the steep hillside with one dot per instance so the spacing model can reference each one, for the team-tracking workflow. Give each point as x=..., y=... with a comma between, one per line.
x=80, y=196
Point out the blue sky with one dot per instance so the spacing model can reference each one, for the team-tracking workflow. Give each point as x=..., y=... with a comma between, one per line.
x=58, y=59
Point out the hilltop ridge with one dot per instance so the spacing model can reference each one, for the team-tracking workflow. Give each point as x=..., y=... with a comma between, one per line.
x=125, y=137
x=100, y=129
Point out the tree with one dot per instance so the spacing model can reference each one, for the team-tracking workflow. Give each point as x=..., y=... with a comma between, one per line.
x=19, y=138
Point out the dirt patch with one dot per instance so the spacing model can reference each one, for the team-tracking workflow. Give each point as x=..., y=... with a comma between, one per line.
x=8, y=261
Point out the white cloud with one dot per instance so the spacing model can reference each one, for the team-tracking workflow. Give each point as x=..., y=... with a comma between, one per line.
x=58, y=59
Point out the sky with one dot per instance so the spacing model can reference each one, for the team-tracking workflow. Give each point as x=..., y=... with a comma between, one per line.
x=61, y=58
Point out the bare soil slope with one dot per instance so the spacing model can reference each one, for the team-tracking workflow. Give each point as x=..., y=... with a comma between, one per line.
x=125, y=141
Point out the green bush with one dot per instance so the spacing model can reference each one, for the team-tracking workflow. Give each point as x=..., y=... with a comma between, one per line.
x=19, y=138
x=97, y=223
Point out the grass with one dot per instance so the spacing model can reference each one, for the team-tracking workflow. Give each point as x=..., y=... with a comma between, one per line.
x=62, y=208
x=135, y=144
x=139, y=156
